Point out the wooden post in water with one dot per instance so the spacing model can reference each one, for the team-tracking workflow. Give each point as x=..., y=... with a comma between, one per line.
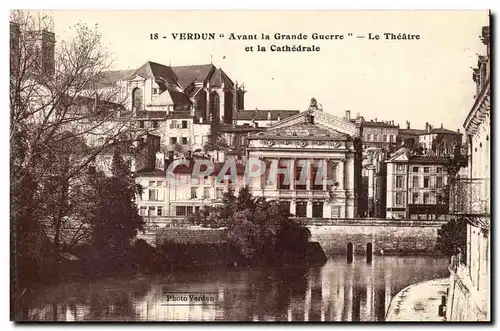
x=350, y=252
x=369, y=253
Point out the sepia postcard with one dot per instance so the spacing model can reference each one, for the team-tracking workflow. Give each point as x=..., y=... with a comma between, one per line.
x=250, y=166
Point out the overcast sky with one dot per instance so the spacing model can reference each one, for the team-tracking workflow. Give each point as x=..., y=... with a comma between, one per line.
x=426, y=80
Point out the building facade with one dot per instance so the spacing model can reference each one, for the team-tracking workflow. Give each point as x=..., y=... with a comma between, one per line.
x=416, y=186
x=318, y=159
x=470, y=281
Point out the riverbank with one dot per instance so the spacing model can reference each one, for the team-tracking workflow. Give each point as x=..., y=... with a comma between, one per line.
x=418, y=302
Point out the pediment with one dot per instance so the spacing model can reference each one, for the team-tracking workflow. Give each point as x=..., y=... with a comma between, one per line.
x=138, y=78
x=321, y=120
x=302, y=130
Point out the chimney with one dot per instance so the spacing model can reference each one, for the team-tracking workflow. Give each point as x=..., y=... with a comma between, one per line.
x=376, y=119
x=407, y=124
x=441, y=125
x=458, y=130
x=348, y=115
x=427, y=128
x=357, y=115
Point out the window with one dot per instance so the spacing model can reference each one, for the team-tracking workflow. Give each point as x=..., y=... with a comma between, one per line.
x=184, y=124
x=384, y=137
x=156, y=90
x=184, y=140
x=181, y=211
x=370, y=137
x=151, y=183
x=159, y=183
x=301, y=209
x=415, y=169
x=206, y=192
x=194, y=192
x=317, y=209
x=220, y=192
x=155, y=124
x=142, y=212
x=439, y=170
x=159, y=211
x=189, y=210
x=153, y=196
x=426, y=181
x=399, y=181
x=426, y=197
x=415, y=198
x=141, y=124
x=137, y=98
x=399, y=198
x=426, y=169
x=415, y=181
x=399, y=167
x=439, y=182
x=173, y=140
x=151, y=211
x=391, y=138
x=375, y=137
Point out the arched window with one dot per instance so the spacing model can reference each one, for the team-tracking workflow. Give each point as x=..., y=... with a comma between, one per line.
x=137, y=99
x=214, y=106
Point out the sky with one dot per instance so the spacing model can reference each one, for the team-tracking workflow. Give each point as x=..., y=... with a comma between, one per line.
x=425, y=80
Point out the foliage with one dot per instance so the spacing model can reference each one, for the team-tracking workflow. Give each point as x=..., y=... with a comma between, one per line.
x=451, y=236
x=116, y=220
x=260, y=230
x=215, y=140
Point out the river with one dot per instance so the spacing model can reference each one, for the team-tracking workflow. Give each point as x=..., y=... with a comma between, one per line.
x=337, y=291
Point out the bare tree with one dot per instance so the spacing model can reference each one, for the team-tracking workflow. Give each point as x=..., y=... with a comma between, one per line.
x=62, y=116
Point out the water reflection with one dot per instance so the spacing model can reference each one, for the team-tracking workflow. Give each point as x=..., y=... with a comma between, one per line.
x=335, y=292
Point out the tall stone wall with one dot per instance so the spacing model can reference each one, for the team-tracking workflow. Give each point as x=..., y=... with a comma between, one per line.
x=385, y=236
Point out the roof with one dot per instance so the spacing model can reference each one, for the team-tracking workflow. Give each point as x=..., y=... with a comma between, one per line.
x=262, y=115
x=155, y=71
x=374, y=124
x=111, y=77
x=219, y=77
x=148, y=114
x=418, y=159
x=413, y=132
x=440, y=131
x=192, y=73
x=302, y=130
x=179, y=98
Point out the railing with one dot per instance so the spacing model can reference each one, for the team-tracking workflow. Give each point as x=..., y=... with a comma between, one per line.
x=470, y=196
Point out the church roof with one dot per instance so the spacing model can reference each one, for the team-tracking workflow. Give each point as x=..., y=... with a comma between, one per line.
x=219, y=77
x=261, y=115
x=155, y=71
x=192, y=73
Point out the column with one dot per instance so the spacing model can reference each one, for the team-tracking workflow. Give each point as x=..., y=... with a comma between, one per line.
x=325, y=174
x=340, y=174
x=293, y=207
x=327, y=209
x=309, y=174
x=309, y=210
x=291, y=170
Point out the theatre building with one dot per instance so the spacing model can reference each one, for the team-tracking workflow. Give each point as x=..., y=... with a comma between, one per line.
x=319, y=158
